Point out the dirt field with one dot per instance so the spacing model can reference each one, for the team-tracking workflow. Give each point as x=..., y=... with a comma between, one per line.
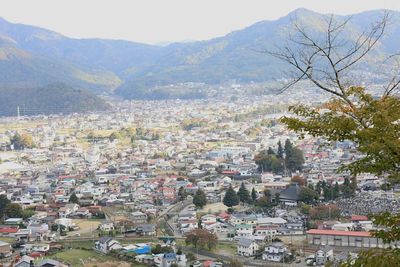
x=214, y=207
x=297, y=240
x=86, y=227
x=218, y=207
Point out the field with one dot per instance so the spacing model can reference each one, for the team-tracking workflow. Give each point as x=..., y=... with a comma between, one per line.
x=213, y=208
x=77, y=257
x=86, y=227
x=9, y=240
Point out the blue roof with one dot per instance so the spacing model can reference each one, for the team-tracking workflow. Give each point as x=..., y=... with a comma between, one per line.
x=142, y=250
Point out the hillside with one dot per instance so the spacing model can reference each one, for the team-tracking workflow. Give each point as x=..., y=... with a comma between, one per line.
x=51, y=99
x=35, y=56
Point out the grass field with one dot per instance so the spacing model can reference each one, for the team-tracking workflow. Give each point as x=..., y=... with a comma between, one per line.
x=9, y=240
x=77, y=257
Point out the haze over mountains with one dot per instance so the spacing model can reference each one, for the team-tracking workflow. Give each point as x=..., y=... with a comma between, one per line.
x=35, y=57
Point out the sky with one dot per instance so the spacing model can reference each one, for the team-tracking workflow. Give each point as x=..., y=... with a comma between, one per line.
x=156, y=21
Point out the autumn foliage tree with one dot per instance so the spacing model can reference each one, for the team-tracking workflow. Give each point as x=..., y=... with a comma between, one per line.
x=201, y=238
x=330, y=211
x=299, y=180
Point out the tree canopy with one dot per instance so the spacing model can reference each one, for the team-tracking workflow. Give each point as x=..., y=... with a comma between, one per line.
x=231, y=198
x=200, y=199
x=243, y=194
x=353, y=113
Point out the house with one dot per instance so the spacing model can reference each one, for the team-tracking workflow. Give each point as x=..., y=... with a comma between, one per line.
x=146, y=229
x=323, y=255
x=244, y=230
x=39, y=231
x=247, y=247
x=291, y=195
x=267, y=232
x=25, y=261
x=138, y=217
x=5, y=249
x=275, y=252
x=106, y=244
x=83, y=213
x=50, y=263
x=8, y=231
x=167, y=259
x=14, y=221
x=209, y=219
x=188, y=225
x=107, y=226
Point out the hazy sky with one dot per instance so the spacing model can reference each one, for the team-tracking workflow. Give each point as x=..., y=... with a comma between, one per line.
x=153, y=21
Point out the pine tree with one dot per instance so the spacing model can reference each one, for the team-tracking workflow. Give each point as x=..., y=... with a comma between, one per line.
x=253, y=195
x=73, y=198
x=231, y=198
x=200, y=199
x=336, y=190
x=270, y=151
x=280, y=150
x=182, y=194
x=288, y=148
x=243, y=194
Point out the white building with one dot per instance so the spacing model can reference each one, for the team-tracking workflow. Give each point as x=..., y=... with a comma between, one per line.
x=247, y=247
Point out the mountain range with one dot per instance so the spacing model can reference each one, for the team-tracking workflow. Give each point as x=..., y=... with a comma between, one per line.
x=35, y=57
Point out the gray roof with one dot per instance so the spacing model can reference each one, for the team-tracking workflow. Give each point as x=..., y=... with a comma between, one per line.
x=147, y=227
x=277, y=244
x=245, y=242
x=105, y=239
x=290, y=193
x=50, y=262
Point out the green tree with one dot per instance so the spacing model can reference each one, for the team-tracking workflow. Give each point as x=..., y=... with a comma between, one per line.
x=268, y=162
x=200, y=199
x=13, y=210
x=73, y=198
x=263, y=202
x=288, y=148
x=231, y=198
x=281, y=152
x=4, y=202
x=270, y=151
x=308, y=195
x=253, y=195
x=347, y=189
x=182, y=194
x=22, y=141
x=336, y=190
x=243, y=194
x=294, y=158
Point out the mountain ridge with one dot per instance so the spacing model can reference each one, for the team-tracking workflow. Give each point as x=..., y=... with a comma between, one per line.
x=34, y=55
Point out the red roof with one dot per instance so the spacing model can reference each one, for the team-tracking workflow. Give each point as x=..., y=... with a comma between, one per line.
x=342, y=233
x=8, y=230
x=359, y=218
x=207, y=263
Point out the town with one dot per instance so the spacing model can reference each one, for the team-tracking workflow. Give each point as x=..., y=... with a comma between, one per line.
x=202, y=182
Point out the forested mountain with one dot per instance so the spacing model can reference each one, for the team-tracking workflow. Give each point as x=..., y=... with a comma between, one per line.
x=51, y=99
x=34, y=56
